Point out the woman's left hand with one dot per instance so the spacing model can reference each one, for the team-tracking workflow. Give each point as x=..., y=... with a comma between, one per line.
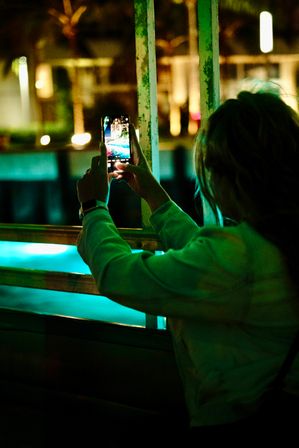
x=95, y=182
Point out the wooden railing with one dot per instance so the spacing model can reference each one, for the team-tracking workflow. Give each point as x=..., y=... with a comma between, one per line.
x=63, y=281
x=50, y=234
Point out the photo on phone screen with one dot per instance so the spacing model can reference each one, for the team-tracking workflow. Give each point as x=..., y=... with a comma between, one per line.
x=115, y=133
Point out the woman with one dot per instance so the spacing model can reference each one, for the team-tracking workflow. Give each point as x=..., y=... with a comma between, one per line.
x=230, y=293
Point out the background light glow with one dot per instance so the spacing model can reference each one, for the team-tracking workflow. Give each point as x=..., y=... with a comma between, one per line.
x=266, y=32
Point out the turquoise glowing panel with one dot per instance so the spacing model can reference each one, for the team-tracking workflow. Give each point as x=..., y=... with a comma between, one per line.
x=83, y=306
x=49, y=257
x=63, y=258
x=29, y=166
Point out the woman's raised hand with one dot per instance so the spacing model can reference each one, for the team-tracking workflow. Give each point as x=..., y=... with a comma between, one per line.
x=139, y=176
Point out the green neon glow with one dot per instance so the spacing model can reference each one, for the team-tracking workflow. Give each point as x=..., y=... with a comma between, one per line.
x=65, y=259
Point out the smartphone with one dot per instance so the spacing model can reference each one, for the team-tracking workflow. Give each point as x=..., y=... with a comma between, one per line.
x=116, y=136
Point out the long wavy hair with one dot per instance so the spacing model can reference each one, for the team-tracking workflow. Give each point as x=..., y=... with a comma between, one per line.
x=252, y=142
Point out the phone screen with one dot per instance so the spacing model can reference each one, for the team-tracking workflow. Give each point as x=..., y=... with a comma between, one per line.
x=116, y=136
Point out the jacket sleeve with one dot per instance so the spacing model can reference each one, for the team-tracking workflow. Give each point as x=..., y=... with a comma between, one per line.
x=174, y=227
x=185, y=282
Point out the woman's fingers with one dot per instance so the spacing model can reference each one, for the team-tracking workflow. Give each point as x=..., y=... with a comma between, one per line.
x=103, y=155
x=122, y=168
x=99, y=161
x=138, y=156
x=95, y=163
x=110, y=177
x=133, y=134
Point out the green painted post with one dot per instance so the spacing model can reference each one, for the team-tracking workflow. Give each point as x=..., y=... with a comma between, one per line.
x=147, y=83
x=147, y=97
x=209, y=73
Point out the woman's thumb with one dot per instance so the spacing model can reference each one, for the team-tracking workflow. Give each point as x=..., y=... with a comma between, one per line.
x=127, y=167
x=132, y=168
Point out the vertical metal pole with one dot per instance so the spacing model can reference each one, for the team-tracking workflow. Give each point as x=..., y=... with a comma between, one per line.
x=147, y=81
x=209, y=73
x=193, y=66
x=147, y=98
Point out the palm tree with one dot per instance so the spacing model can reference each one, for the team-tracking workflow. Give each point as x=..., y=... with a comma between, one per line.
x=68, y=21
x=25, y=28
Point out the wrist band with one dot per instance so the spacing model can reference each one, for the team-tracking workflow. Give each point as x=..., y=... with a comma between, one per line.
x=91, y=205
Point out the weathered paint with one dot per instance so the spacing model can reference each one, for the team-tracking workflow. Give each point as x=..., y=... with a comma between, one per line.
x=147, y=88
x=209, y=74
x=147, y=81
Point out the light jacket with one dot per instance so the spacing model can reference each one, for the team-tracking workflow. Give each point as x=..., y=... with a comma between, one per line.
x=231, y=307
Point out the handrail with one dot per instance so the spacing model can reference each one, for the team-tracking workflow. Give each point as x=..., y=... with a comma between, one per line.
x=136, y=238
x=64, y=281
x=55, y=281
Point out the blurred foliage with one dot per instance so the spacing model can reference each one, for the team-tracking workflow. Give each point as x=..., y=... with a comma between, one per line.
x=22, y=25
x=26, y=28
x=27, y=136
x=26, y=25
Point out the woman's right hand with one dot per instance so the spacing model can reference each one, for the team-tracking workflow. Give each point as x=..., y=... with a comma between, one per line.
x=139, y=176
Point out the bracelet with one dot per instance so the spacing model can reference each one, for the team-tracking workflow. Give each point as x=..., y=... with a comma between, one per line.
x=91, y=205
